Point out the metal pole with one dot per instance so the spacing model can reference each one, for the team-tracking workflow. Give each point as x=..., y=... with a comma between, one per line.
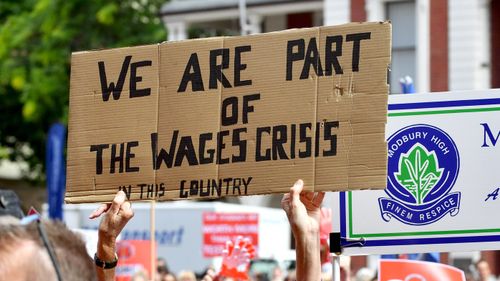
x=152, y=229
x=335, y=267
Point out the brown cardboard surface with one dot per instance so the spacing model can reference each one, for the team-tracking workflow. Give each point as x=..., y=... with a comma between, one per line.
x=264, y=148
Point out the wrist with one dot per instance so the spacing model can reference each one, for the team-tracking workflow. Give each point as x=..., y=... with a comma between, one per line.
x=106, y=248
x=105, y=264
x=305, y=231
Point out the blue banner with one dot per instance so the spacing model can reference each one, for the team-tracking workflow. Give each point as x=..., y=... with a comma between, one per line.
x=55, y=169
x=420, y=216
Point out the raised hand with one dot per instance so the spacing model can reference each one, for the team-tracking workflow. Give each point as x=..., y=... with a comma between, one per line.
x=303, y=208
x=303, y=211
x=116, y=216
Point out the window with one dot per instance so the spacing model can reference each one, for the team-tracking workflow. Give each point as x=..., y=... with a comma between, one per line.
x=402, y=15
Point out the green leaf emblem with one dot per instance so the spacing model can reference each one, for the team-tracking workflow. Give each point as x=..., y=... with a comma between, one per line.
x=419, y=171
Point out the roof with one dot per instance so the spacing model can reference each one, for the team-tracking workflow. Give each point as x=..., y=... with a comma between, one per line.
x=176, y=7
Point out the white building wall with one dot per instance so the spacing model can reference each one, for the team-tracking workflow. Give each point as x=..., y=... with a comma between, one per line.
x=337, y=12
x=468, y=27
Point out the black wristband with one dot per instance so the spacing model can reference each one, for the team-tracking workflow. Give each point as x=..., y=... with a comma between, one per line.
x=105, y=264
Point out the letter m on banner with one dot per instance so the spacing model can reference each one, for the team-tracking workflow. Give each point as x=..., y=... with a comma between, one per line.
x=488, y=135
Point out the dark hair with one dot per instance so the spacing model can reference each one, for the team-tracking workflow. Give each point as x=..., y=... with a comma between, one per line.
x=162, y=269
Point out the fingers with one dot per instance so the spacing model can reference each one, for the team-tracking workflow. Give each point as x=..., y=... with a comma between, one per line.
x=296, y=190
x=126, y=211
x=309, y=195
x=318, y=199
x=99, y=211
x=326, y=213
x=118, y=202
x=228, y=250
x=284, y=201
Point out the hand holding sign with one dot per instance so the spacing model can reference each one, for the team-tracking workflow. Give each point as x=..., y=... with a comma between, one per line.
x=303, y=211
x=116, y=216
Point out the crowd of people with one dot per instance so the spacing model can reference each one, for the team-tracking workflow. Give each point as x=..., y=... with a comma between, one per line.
x=33, y=249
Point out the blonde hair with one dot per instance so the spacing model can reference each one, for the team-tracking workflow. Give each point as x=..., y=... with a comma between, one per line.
x=186, y=276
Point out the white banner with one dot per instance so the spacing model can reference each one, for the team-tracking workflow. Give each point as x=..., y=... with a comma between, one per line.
x=443, y=179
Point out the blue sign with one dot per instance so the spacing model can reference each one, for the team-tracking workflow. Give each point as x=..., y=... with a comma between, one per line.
x=55, y=169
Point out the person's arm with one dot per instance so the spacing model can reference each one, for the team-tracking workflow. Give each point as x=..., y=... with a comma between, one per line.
x=303, y=211
x=116, y=216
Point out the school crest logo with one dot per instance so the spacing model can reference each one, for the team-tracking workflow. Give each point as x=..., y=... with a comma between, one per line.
x=423, y=165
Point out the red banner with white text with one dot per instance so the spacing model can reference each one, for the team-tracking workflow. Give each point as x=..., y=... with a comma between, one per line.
x=218, y=228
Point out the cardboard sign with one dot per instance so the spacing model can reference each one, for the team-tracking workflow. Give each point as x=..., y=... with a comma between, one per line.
x=133, y=256
x=219, y=228
x=443, y=182
x=231, y=116
x=408, y=270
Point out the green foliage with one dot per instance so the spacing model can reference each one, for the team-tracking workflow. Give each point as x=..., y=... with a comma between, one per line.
x=419, y=171
x=36, y=41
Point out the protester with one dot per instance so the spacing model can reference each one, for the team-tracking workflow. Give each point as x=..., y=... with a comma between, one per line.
x=365, y=274
x=61, y=254
x=41, y=251
x=44, y=250
x=169, y=277
x=161, y=269
x=484, y=271
x=303, y=211
x=139, y=276
x=277, y=274
x=116, y=216
x=186, y=275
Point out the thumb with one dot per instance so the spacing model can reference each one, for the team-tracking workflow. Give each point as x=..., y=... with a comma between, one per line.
x=117, y=202
x=296, y=190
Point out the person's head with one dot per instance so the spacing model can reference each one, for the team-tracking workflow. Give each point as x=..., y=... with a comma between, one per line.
x=161, y=266
x=483, y=268
x=24, y=256
x=365, y=274
x=140, y=276
x=277, y=273
x=186, y=276
x=169, y=277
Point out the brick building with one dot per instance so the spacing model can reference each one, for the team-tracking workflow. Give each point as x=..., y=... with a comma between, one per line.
x=442, y=44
